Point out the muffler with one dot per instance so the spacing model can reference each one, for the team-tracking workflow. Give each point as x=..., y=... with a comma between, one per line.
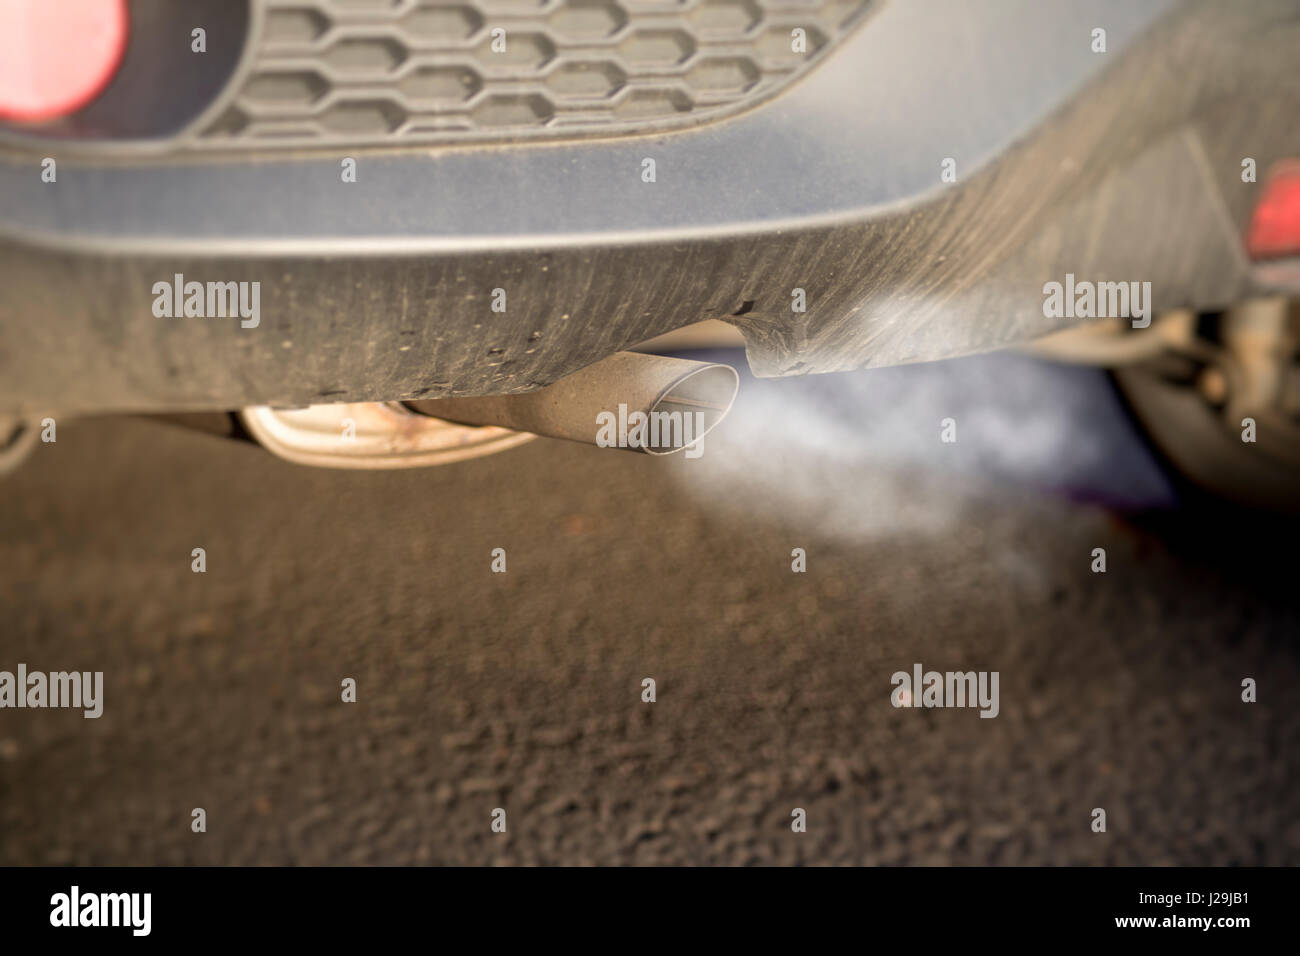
x=646, y=403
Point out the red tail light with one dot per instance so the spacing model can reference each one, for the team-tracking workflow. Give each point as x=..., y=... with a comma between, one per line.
x=1275, y=226
x=57, y=55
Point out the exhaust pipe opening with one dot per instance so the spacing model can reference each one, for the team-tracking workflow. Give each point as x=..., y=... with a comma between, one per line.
x=705, y=393
x=646, y=403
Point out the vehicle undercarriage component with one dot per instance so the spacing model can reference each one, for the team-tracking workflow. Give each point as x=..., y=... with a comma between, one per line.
x=678, y=401
x=1113, y=342
x=369, y=435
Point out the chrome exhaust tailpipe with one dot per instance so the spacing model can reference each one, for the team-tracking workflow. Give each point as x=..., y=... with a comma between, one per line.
x=645, y=403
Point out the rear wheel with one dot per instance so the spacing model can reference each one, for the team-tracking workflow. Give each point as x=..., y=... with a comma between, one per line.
x=1222, y=401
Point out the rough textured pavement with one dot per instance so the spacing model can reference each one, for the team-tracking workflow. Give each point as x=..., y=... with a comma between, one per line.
x=523, y=690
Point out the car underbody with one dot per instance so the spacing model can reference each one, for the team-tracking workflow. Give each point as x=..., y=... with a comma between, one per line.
x=909, y=190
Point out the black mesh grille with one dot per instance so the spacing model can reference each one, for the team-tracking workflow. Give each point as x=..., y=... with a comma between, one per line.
x=398, y=72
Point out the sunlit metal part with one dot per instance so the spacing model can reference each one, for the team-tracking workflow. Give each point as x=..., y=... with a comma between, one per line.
x=1112, y=342
x=708, y=334
x=370, y=435
x=625, y=384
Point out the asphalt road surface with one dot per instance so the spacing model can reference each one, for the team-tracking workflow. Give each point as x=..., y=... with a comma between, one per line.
x=523, y=690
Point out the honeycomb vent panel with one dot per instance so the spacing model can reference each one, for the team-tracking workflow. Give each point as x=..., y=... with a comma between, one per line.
x=334, y=73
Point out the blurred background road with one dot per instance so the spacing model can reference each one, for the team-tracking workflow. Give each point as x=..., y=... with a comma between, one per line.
x=523, y=690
